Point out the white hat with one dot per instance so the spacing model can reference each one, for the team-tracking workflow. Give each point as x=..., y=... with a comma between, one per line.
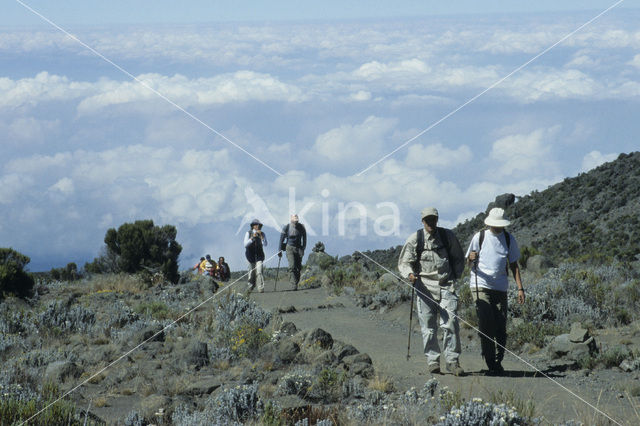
x=496, y=218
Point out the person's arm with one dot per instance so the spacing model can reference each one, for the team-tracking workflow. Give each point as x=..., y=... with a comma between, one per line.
x=407, y=259
x=283, y=235
x=515, y=269
x=303, y=235
x=263, y=236
x=247, y=239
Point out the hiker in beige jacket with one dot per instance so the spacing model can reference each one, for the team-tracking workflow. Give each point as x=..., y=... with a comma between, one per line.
x=432, y=269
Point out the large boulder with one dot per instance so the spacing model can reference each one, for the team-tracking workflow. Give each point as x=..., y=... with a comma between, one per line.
x=574, y=346
x=538, y=264
x=503, y=201
x=388, y=280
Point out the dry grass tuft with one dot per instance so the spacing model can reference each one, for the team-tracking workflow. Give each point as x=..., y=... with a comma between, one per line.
x=100, y=402
x=119, y=283
x=382, y=383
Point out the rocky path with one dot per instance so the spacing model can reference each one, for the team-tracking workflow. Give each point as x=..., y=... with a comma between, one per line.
x=383, y=335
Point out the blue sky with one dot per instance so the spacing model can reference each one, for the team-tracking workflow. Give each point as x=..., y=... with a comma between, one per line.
x=85, y=147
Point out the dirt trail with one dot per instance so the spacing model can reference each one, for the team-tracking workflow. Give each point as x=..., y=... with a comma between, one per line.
x=384, y=337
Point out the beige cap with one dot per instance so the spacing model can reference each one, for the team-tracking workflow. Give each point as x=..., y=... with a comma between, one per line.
x=429, y=211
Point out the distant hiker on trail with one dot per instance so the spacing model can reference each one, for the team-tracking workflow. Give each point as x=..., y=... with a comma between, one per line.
x=254, y=241
x=197, y=266
x=293, y=241
x=432, y=260
x=208, y=265
x=491, y=254
x=223, y=273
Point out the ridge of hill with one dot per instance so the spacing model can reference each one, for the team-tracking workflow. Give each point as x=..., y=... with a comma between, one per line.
x=592, y=216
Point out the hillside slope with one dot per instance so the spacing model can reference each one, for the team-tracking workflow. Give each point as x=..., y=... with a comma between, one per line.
x=593, y=216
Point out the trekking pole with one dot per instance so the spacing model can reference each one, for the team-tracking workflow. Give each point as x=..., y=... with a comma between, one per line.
x=413, y=292
x=275, y=286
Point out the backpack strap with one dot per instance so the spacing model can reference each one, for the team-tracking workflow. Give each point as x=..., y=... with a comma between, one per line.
x=419, y=249
x=507, y=238
x=442, y=233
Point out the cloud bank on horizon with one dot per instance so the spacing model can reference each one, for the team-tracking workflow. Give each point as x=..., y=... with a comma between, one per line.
x=86, y=148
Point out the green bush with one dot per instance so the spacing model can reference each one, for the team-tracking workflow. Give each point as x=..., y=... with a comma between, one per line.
x=140, y=246
x=525, y=253
x=156, y=310
x=68, y=273
x=13, y=278
x=15, y=410
x=532, y=333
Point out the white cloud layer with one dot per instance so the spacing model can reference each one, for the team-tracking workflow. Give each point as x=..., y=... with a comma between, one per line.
x=84, y=148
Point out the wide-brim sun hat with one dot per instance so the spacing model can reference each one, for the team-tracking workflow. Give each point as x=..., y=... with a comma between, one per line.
x=255, y=222
x=496, y=218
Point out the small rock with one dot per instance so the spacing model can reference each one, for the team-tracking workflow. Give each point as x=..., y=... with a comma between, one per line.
x=357, y=358
x=578, y=334
x=362, y=369
x=627, y=366
x=346, y=351
x=288, y=328
x=200, y=387
x=325, y=358
x=321, y=338
x=287, y=310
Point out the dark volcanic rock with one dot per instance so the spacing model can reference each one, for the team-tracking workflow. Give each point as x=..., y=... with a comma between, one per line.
x=321, y=338
x=287, y=351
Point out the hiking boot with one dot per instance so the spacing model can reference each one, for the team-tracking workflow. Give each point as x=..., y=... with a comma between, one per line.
x=455, y=369
x=250, y=287
x=434, y=369
x=261, y=290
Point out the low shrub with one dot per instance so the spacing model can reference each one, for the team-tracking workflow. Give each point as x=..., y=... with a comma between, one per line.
x=531, y=332
x=231, y=405
x=62, y=316
x=156, y=310
x=240, y=327
x=477, y=412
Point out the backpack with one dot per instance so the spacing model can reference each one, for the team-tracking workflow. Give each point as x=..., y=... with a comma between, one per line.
x=442, y=233
x=507, y=238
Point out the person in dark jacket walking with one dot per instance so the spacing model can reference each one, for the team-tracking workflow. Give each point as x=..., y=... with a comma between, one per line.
x=293, y=241
x=254, y=241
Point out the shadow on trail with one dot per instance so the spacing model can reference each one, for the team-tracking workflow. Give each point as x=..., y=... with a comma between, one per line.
x=551, y=372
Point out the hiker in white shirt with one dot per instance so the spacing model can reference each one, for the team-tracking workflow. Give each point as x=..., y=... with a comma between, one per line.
x=491, y=254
